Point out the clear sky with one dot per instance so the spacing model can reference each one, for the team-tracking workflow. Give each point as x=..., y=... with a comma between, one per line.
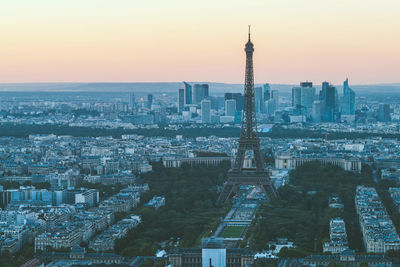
x=199, y=40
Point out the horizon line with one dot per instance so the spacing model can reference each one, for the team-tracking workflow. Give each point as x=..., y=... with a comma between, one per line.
x=211, y=82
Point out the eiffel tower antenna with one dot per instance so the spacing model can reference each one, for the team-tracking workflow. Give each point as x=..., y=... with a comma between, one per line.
x=248, y=141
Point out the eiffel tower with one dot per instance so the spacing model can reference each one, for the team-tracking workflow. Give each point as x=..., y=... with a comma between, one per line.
x=241, y=173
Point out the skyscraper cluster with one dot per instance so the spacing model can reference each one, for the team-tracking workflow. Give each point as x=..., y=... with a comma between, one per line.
x=330, y=102
x=194, y=100
x=230, y=107
x=303, y=97
x=190, y=97
x=266, y=100
x=238, y=97
x=193, y=94
x=327, y=106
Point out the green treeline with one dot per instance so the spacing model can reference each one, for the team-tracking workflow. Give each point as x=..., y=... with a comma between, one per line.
x=190, y=211
x=302, y=213
x=24, y=130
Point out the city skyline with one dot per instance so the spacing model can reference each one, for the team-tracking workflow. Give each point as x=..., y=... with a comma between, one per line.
x=100, y=41
x=160, y=133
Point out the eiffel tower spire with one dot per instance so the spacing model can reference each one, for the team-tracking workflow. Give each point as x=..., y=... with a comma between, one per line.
x=248, y=141
x=249, y=115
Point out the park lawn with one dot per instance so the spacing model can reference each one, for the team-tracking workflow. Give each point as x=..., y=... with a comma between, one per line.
x=233, y=231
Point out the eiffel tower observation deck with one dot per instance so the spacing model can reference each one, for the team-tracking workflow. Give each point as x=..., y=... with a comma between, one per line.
x=243, y=173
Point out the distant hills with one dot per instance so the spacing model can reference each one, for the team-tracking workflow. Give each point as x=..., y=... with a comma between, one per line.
x=215, y=88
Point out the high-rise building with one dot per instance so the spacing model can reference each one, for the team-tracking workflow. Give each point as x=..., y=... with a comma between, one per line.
x=216, y=102
x=316, y=111
x=149, y=100
x=181, y=100
x=329, y=99
x=199, y=93
x=384, y=112
x=132, y=100
x=238, y=97
x=258, y=99
x=230, y=107
x=307, y=95
x=270, y=107
x=275, y=98
x=188, y=93
x=303, y=96
x=267, y=92
x=206, y=111
x=296, y=97
x=306, y=84
x=348, y=99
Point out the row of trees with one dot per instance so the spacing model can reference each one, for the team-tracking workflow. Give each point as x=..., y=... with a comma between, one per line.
x=24, y=255
x=189, y=213
x=105, y=190
x=302, y=212
x=24, y=130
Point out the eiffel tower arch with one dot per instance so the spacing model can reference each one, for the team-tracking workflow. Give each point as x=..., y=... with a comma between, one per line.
x=241, y=173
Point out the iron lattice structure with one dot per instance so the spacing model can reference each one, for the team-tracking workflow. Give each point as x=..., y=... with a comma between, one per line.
x=240, y=175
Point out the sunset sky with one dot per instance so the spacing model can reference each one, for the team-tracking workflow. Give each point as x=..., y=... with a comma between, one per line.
x=175, y=40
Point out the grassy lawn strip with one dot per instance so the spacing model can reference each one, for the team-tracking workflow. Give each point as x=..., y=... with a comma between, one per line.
x=233, y=231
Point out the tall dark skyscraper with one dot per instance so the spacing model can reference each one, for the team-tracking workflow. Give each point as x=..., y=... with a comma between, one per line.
x=275, y=99
x=303, y=98
x=181, y=100
x=267, y=92
x=348, y=99
x=199, y=93
x=316, y=111
x=230, y=107
x=384, y=112
x=188, y=93
x=248, y=143
x=259, y=99
x=296, y=97
x=206, y=111
x=132, y=101
x=307, y=95
x=236, y=96
x=329, y=98
x=149, y=100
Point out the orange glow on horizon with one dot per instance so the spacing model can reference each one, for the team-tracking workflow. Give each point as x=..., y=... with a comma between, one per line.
x=133, y=41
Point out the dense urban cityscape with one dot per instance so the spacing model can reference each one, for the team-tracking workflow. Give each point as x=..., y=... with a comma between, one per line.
x=295, y=162
x=74, y=167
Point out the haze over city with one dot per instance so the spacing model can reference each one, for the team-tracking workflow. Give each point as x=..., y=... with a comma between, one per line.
x=200, y=133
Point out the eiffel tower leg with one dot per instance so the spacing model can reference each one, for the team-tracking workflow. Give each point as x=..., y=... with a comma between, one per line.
x=269, y=191
x=263, y=188
x=239, y=158
x=226, y=192
x=258, y=157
